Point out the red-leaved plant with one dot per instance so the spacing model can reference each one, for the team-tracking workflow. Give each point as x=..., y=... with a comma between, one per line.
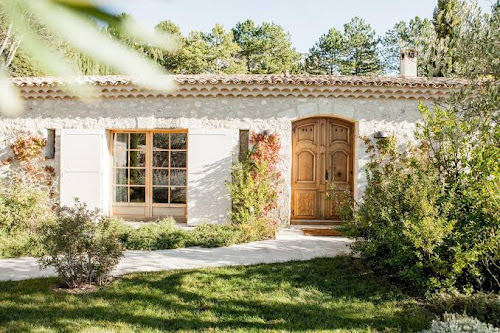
x=255, y=189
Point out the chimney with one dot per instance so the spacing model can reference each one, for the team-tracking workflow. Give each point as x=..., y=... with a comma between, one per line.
x=408, y=63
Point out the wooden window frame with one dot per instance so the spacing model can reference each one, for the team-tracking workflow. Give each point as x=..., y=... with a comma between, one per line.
x=149, y=168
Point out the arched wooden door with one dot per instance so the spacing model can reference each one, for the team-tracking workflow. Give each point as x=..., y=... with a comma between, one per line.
x=322, y=150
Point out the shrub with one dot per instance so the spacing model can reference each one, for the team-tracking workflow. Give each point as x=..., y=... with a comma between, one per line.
x=209, y=235
x=430, y=213
x=254, y=189
x=81, y=244
x=25, y=197
x=483, y=306
x=453, y=323
x=23, y=208
x=157, y=236
x=162, y=235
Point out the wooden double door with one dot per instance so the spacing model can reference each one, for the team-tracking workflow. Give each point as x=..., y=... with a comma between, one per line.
x=322, y=150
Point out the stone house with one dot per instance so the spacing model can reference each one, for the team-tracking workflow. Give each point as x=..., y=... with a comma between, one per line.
x=142, y=154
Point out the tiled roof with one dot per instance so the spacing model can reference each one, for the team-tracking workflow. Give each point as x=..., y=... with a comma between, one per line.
x=318, y=80
x=250, y=85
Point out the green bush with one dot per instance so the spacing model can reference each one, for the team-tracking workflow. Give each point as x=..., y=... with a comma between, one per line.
x=453, y=323
x=163, y=234
x=430, y=214
x=23, y=208
x=254, y=190
x=209, y=235
x=483, y=306
x=81, y=244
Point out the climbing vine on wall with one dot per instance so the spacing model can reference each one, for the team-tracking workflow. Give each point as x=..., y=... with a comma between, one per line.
x=255, y=188
x=27, y=163
x=28, y=148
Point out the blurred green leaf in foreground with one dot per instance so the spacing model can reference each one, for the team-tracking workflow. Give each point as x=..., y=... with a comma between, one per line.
x=77, y=23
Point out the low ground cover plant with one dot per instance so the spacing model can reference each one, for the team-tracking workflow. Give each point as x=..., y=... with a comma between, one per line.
x=455, y=323
x=430, y=215
x=482, y=306
x=163, y=234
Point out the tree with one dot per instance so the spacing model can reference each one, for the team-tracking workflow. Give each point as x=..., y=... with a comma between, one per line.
x=417, y=34
x=361, y=47
x=266, y=48
x=170, y=59
x=467, y=41
x=325, y=56
x=8, y=47
x=73, y=22
x=214, y=52
x=446, y=18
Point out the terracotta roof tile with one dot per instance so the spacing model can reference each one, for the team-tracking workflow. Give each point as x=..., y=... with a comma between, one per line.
x=417, y=88
x=246, y=79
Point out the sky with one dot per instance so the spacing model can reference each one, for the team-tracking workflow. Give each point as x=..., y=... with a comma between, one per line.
x=306, y=20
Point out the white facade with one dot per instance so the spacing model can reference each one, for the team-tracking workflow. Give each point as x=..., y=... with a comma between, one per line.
x=213, y=124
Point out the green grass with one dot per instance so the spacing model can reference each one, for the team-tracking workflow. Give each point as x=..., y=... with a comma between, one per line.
x=335, y=294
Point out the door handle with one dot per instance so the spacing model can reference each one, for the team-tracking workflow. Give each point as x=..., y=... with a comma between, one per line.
x=326, y=175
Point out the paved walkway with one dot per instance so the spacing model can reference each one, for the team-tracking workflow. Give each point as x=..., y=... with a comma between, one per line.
x=289, y=245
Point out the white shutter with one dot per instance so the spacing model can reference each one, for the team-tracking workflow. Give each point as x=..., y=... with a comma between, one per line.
x=82, y=167
x=210, y=158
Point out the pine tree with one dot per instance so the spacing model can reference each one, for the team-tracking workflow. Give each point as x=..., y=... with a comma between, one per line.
x=266, y=48
x=325, y=56
x=414, y=34
x=214, y=52
x=361, y=46
x=170, y=60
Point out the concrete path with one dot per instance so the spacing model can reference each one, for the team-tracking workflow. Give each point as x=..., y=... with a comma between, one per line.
x=289, y=245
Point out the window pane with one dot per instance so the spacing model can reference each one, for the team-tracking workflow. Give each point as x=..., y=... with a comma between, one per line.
x=178, y=195
x=178, y=159
x=137, y=176
x=121, y=176
x=120, y=158
x=160, y=177
x=160, y=194
x=160, y=159
x=160, y=141
x=137, y=159
x=121, y=141
x=121, y=194
x=137, y=140
x=178, y=178
x=137, y=194
x=178, y=141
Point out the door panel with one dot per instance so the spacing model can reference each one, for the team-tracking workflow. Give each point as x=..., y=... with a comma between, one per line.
x=306, y=162
x=305, y=204
x=322, y=150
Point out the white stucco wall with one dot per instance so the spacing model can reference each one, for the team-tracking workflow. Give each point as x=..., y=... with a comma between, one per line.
x=225, y=114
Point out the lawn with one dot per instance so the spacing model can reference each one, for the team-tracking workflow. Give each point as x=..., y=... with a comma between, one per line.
x=334, y=294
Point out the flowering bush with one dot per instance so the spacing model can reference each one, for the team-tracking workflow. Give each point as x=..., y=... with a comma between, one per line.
x=255, y=189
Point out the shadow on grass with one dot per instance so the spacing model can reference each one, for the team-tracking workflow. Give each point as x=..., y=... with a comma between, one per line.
x=321, y=294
